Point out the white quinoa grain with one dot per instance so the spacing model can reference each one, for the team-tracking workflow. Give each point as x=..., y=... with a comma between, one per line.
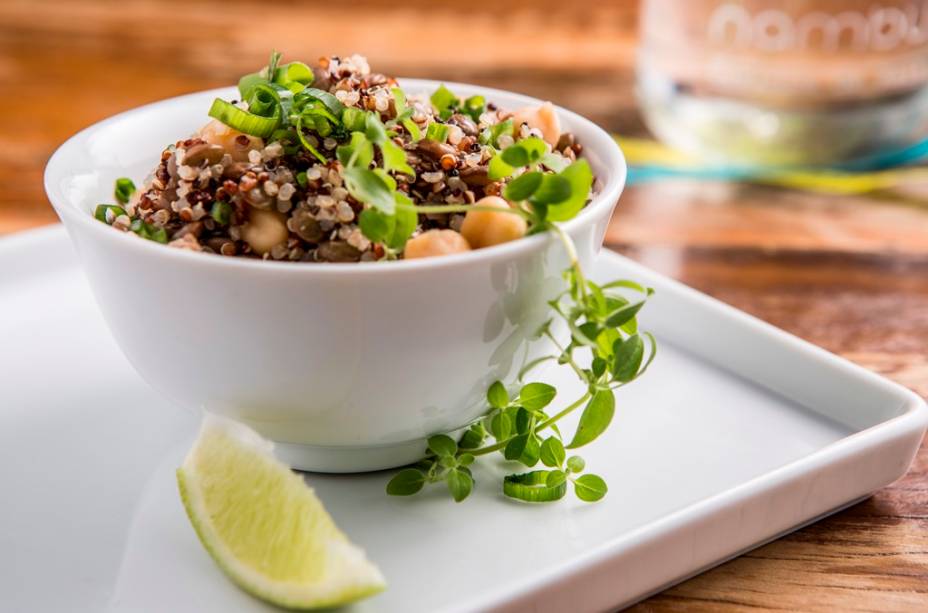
x=270, y=188
x=325, y=201
x=504, y=141
x=455, y=134
x=329, y=143
x=358, y=240
x=272, y=151
x=254, y=156
x=340, y=193
x=187, y=173
x=122, y=222
x=314, y=173
x=286, y=191
x=433, y=177
x=343, y=212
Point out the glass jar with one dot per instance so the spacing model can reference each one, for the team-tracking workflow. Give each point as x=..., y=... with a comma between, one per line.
x=785, y=82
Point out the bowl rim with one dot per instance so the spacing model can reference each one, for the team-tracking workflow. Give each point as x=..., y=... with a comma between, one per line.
x=613, y=161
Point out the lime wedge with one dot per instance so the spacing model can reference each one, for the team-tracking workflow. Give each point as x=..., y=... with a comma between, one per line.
x=264, y=527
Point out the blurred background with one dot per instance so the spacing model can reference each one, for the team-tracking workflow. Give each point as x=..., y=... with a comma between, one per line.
x=787, y=182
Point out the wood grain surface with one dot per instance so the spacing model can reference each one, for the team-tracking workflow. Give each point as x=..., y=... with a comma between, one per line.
x=849, y=274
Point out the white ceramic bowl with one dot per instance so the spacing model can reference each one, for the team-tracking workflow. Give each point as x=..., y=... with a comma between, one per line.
x=348, y=367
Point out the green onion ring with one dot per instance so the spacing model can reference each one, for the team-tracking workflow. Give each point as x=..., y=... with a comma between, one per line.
x=243, y=121
x=532, y=487
x=306, y=143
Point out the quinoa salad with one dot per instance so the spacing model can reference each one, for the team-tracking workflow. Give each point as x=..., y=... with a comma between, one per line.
x=336, y=163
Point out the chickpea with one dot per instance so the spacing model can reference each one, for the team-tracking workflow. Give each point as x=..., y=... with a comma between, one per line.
x=264, y=230
x=487, y=228
x=543, y=118
x=234, y=142
x=435, y=242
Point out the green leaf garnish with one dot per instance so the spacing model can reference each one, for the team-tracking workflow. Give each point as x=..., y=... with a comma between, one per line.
x=595, y=418
x=590, y=488
x=535, y=396
x=406, y=482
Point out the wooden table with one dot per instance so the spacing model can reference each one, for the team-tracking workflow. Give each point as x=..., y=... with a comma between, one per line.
x=849, y=274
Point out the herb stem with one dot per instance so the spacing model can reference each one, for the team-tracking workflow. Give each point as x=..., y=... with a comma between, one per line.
x=461, y=208
x=570, y=358
x=552, y=420
x=571, y=256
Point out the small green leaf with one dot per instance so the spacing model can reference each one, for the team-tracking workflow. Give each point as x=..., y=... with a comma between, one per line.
x=595, y=418
x=580, y=178
x=536, y=396
x=552, y=188
x=575, y=464
x=376, y=225
x=473, y=437
x=358, y=152
x=533, y=487
x=460, y=484
x=394, y=158
x=466, y=459
x=606, y=340
x=532, y=451
x=406, y=482
x=628, y=356
x=515, y=447
x=590, y=488
x=367, y=187
x=443, y=445
x=598, y=366
x=623, y=314
x=556, y=478
x=552, y=452
x=525, y=420
x=406, y=221
x=522, y=187
x=498, y=169
x=524, y=152
x=497, y=396
x=501, y=426
x=474, y=106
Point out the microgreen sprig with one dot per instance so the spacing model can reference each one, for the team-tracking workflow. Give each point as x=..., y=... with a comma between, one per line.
x=605, y=351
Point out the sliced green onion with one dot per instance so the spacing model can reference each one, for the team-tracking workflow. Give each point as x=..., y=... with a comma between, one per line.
x=295, y=76
x=413, y=129
x=354, y=119
x=243, y=121
x=221, y=212
x=474, y=106
x=124, y=189
x=108, y=212
x=437, y=132
x=444, y=100
x=303, y=141
x=149, y=231
x=330, y=101
x=263, y=100
x=533, y=487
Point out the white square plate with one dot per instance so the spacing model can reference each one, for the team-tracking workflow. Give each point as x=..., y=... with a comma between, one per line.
x=738, y=434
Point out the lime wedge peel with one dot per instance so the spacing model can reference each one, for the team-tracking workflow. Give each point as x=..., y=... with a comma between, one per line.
x=264, y=527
